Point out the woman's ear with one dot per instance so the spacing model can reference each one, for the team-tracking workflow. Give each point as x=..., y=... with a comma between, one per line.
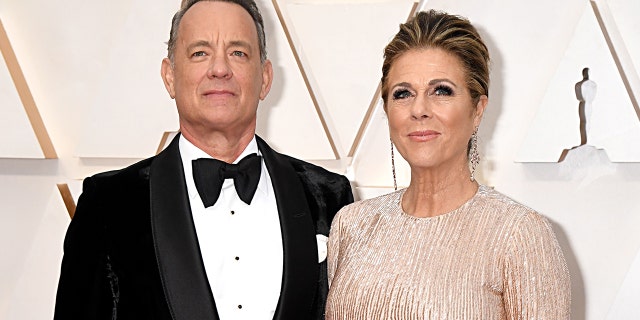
x=479, y=111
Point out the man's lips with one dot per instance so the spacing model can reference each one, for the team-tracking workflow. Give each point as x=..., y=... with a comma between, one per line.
x=218, y=93
x=423, y=135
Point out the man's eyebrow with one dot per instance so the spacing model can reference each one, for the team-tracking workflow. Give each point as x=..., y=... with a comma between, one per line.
x=207, y=44
x=200, y=43
x=240, y=43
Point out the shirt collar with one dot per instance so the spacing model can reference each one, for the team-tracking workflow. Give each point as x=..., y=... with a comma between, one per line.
x=189, y=152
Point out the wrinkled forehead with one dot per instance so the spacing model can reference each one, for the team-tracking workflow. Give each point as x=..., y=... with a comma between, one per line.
x=213, y=19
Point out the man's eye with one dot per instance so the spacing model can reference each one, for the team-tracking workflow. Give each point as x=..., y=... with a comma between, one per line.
x=238, y=53
x=443, y=90
x=199, y=54
x=401, y=94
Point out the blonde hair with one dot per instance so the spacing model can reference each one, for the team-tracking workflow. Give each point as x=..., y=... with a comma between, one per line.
x=454, y=34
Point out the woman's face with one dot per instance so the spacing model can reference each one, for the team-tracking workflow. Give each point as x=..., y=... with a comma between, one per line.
x=430, y=110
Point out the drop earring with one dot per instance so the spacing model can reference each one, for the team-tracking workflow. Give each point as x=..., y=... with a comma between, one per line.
x=474, y=157
x=393, y=168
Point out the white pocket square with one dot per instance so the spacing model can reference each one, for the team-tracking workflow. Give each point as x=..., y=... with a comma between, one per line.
x=322, y=247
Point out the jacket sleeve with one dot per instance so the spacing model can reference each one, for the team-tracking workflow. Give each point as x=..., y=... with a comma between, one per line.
x=344, y=196
x=87, y=288
x=326, y=194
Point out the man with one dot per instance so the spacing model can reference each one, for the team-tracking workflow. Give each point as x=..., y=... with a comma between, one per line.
x=150, y=242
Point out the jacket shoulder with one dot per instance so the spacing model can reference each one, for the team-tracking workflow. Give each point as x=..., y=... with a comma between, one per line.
x=315, y=172
x=321, y=183
x=139, y=169
x=122, y=184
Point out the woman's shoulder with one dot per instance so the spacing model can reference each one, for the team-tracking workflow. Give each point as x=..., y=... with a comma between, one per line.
x=371, y=206
x=496, y=203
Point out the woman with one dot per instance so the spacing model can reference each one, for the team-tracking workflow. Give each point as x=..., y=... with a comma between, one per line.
x=444, y=247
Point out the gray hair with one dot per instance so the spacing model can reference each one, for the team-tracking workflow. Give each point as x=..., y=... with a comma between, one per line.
x=249, y=5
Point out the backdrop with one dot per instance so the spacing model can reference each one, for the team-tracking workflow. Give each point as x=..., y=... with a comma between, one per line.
x=80, y=93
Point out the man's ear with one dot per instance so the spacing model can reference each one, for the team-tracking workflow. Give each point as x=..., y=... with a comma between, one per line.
x=167, y=77
x=267, y=79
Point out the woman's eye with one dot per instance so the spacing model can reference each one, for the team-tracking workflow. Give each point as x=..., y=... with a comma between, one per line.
x=401, y=94
x=442, y=90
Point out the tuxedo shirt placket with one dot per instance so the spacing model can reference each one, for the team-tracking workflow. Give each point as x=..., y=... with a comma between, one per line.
x=241, y=247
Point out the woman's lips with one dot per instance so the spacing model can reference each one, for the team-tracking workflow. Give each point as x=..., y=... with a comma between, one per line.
x=423, y=135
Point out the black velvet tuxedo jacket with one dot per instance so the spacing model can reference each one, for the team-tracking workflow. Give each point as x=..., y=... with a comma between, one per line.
x=131, y=250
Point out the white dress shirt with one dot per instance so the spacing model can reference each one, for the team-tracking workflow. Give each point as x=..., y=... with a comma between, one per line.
x=241, y=245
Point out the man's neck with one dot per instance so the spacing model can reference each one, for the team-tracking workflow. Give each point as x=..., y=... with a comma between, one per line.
x=219, y=146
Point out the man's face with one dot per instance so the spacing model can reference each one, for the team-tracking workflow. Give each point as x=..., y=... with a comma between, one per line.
x=217, y=77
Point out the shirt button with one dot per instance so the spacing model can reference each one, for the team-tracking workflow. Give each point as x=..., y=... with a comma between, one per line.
x=233, y=212
x=237, y=258
x=239, y=306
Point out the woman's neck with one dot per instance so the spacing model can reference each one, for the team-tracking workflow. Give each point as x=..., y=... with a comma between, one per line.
x=434, y=193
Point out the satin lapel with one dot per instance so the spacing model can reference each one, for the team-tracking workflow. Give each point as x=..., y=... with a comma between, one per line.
x=301, y=269
x=183, y=275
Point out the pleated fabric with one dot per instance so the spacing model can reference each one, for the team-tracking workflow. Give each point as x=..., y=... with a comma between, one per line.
x=491, y=258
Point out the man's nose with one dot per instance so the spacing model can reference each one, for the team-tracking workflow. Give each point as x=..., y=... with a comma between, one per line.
x=219, y=67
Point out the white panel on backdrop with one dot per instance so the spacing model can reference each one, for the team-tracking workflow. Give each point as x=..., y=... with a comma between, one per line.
x=27, y=203
x=287, y=118
x=625, y=14
x=338, y=40
x=75, y=187
x=371, y=192
x=595, y=214
x=131, y=109
x=615, y=126
x=73, y=53
x=372, y=161
x=18, y=139
x=38, y=279
x=626, y=304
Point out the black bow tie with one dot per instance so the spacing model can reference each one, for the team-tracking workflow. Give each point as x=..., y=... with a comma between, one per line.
x=209, y=174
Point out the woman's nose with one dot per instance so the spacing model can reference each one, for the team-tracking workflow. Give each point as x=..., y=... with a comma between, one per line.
x=421, y=109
